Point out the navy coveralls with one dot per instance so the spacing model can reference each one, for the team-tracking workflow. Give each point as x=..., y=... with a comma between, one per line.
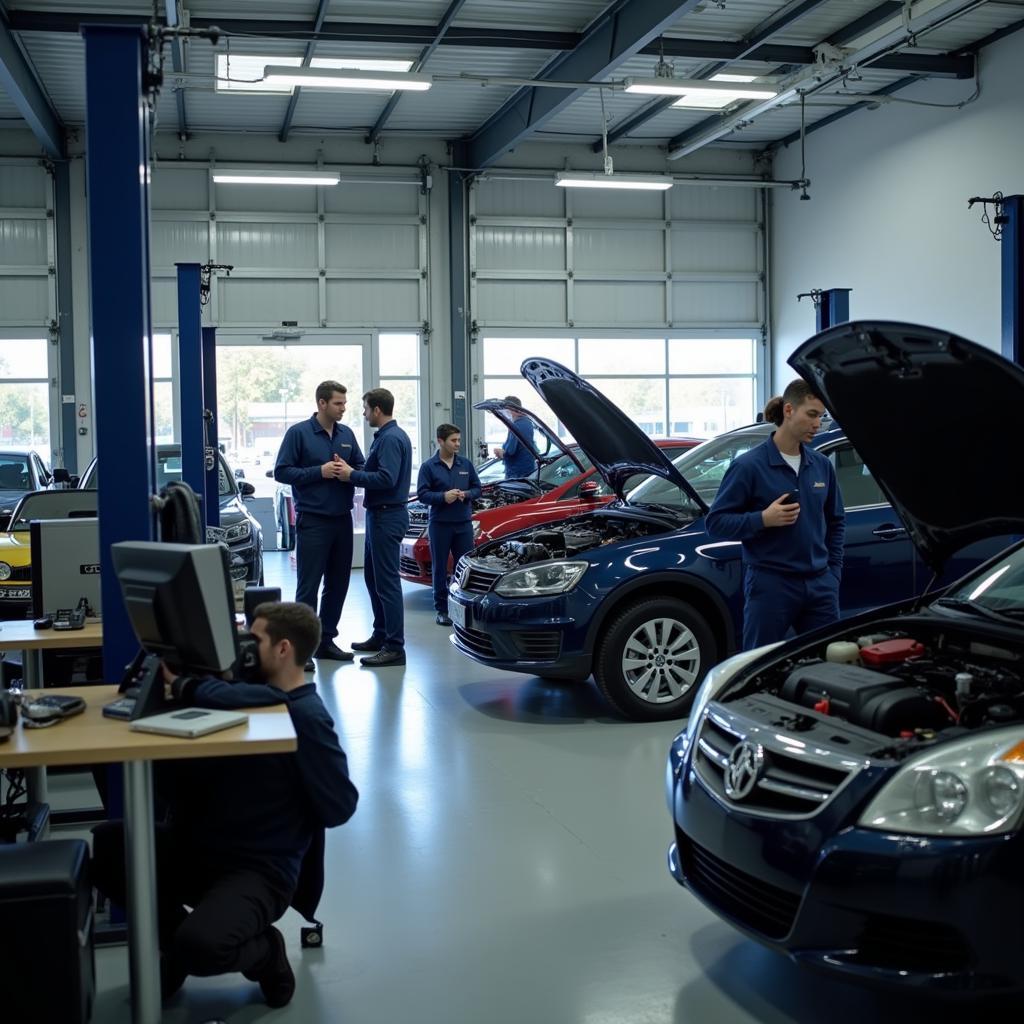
x=450, y=527
x=520, y=459
x=323, y=520
x=386, y=478
x=791, y=573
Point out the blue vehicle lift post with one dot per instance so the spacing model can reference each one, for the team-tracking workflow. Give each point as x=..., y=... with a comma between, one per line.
x=117, y=168
x=1012, y=259
x=190, y=378
x=213, y=437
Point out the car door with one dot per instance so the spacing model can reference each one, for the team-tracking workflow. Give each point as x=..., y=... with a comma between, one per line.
x=879, y=557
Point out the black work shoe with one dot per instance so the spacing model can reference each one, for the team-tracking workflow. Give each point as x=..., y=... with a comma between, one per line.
x=442, y=619
x=276, y=980
x=329, y=649
x=373, y=644
x=384, y=659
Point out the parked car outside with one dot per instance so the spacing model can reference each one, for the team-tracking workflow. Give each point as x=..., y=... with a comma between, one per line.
x=638, y=594
x=239, y=529
x=21, y=470
x=854, y=797
x=16, y=546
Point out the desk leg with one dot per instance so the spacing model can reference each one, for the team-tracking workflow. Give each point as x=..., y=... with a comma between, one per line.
x=140, y=856
x=32, y=669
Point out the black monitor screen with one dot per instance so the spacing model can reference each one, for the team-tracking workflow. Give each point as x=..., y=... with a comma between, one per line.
x=180, y=602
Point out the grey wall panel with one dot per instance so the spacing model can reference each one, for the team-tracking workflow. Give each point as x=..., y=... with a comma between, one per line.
x=519, y=198
x=360, y=197
x=22, y=185
x=714, y=302
x=23, y=242
x=271, y=198
x=173, y=242
x=372, y=246
x=261, y=301
x=715, y=247
x=613, y=205
x=179, y=188
x=607, y=303
x=699, y=202
x=521, y=302
x=619, y=249
x=163, y=295
x=501, y=247
x=24, y=300
x=267, y=245
x=373, y=302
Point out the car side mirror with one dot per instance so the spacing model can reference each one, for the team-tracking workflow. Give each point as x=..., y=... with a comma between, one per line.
x=270, y=473
x=588, y=489
x=246, y=489
x=61, y=476
x=239, y=474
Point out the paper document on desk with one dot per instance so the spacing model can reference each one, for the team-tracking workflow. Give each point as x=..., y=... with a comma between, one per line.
x=190, y=722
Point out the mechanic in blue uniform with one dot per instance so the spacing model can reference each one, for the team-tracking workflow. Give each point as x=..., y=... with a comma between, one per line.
x=386, y=479
x=448, y=484
x=310, y=460
x=520, y=459
x=781, y=499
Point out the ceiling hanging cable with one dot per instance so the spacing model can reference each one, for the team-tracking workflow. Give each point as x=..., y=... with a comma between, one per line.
x=803, y=146
x=608, y=167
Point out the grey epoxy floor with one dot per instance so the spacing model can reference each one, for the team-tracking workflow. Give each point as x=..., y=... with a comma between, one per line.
x=506, y=865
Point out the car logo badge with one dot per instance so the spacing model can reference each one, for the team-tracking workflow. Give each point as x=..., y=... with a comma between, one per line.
x=743, y=770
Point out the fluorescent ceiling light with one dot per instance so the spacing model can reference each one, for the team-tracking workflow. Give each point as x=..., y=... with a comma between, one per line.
x=273, y=176
x=339, y=78
x=356, y=63
x=714, y=92
x=597, y=179
x=243, y=72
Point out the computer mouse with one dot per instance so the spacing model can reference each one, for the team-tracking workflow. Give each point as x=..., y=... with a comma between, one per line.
x=43, y=623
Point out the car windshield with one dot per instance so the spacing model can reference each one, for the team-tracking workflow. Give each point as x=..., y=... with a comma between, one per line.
x=52, y=505
x=14, y=473
x=997, y=588
x=554, y=474
x=168, y=468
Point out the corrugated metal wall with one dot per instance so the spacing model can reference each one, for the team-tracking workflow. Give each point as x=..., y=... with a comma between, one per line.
x=353, y=255
x=543, y=256
x=27, y=294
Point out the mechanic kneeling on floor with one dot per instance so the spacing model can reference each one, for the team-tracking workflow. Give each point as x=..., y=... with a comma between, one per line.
x=239, y=828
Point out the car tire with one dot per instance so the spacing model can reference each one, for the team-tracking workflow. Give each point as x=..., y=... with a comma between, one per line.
x=652, y=657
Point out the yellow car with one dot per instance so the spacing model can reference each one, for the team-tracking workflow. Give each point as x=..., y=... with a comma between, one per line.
x=15, y=548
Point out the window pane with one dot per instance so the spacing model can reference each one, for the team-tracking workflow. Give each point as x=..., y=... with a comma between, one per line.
x=163, y=411
x=162, y=356
x=15, y=474
x=706, y=407
x=495, y=431
x=711, y=355
x=407, y=412
x=856, y=484
x=643, y=401
x=506, y=355
x=399, y=355
x=613, y=355
x=25, y=416
x=23, y=357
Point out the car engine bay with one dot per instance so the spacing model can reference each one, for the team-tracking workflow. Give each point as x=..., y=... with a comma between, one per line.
x=888, y=692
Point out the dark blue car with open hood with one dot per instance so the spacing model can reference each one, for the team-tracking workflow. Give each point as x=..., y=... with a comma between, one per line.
x=854, y=797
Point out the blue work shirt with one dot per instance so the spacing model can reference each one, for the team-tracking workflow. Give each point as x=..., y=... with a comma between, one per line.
x=387, y=475
x=305, y=448
x=436, y=478
x=813, y=543
x=520, y=459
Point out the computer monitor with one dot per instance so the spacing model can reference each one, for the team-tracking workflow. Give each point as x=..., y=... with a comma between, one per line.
x=65, y=564
x=180, y=603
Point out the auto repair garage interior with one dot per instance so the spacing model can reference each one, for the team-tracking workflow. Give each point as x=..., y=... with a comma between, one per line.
x=666, y=197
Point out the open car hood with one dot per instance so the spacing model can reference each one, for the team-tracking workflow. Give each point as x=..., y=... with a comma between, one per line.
x=910, y=399
x=616, y=446
x=556, y=448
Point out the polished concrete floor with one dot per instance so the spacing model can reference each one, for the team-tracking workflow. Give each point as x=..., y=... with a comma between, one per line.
x=506, y=865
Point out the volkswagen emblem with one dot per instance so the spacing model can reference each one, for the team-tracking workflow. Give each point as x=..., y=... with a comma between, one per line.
x=743, y=769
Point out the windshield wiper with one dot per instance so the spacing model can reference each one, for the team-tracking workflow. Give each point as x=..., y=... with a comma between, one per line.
x=963, y=604
x=673, y=510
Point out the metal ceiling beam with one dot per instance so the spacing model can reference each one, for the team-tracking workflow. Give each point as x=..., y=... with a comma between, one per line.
x=293, y=102
x=18, y=79
x=173, y=17
x=442, y=27
x=880, y=39
x=745, y=47
x=620, y=33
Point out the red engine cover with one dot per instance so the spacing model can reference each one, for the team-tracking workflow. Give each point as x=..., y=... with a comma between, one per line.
x=890, y=651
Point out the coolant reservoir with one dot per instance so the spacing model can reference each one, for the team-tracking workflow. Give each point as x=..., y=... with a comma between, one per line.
x=843, y=652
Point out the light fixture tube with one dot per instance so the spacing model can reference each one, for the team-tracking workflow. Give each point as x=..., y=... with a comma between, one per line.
x=338, y=78
x=271, y=176
x=698, y=87
x=596, y=179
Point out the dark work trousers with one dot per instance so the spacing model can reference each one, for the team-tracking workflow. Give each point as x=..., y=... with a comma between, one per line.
x=232, y=908
x=774, y=602
x=323, y=551
x=456, y=538
x=385, y=528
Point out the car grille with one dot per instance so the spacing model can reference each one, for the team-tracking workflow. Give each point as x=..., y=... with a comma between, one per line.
x=789, y=785
x=415, y=530
x=539, y=646
x=411, y=567
x=477, y=641
x=239, y=572
x=762, y=907
x=477, y=581
x=20, y=574
x=904, y=944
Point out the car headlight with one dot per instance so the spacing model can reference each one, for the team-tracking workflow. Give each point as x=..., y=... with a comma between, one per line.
x=5, y=571
x=972, y=787
x=476, y=529
x=541, y=579
x=229, y=534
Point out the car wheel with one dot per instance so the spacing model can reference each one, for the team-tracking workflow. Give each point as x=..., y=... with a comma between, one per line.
x=652, y=658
